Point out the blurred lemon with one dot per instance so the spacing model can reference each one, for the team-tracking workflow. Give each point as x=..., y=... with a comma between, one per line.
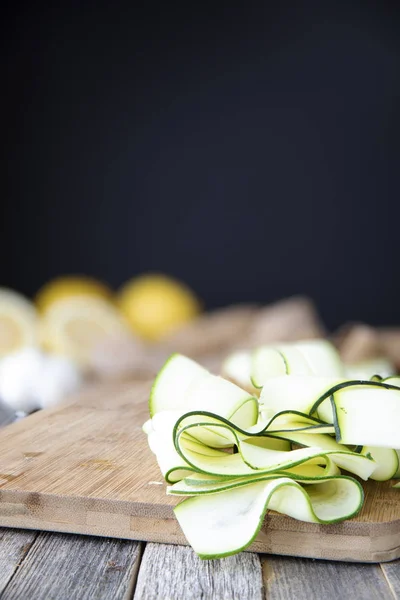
x=70, y=286
x=72, y=327
x=154, y=305
x=18, y=322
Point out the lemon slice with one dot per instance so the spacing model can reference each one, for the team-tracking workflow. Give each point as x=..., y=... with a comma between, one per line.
x=154, y=305
x=68, y=287
x=72, y=327
x=18, y=322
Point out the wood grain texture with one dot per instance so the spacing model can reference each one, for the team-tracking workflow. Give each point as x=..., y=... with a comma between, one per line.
x=391, y=572
x=305, y=579
x=85, y=467
x=62, y=567
x=14, y=546
x=176, y=572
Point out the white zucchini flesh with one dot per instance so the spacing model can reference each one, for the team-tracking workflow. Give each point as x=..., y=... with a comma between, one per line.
x=222, y=397
x=313, y=357
x=187, y=487
x=317, y=427
x=310, y=472
x=161, y=443
x=217, y=431
x=368, y=368
x=313, y=472
x=200, y=389
x=367, y=416
x=296, y=393
x=294, y=360
x=172, y=466
x=221, y=524
x=395, y=380
x=347, y=461
x=364, y=413
x=387, y=462
x=147, y=427
x=212, y=446
x=289, y=420
x=192, y=485
x=228, y=430
x=255, y=453
x=170, y=387
x=272, y=443
x=397, y=486
x=208, y=433
x=237, y=368
x=322, y=357
x=265, y=363
x=250, y=457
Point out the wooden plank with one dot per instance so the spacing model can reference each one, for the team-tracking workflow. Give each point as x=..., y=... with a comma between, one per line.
x=14, y=546
x=85, y=467
x=392, y=573
x=176, y=572
x=68, y=566
x=287, y=578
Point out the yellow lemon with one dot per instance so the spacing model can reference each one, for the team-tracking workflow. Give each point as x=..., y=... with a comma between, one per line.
x=18, y=322
x=70, y=286
x=155, y=305
x=72, y=327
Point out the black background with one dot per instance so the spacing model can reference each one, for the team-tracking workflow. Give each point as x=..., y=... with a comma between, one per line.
x=250, y=149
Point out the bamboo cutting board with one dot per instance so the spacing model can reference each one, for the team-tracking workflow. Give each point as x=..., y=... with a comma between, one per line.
x=84, y=467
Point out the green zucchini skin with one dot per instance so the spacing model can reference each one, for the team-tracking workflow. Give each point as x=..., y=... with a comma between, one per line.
x=209, y=521
x=282, y=452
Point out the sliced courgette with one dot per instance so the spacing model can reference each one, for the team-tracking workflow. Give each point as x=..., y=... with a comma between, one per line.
x=370, y=368
x=237, y=368
x=313, y=357
x=236, y=457
x=170, y=387
x=367, y=415
x=264, y=460
x=221, y=524
x=296, y=393
x=184, y=385
x=387, y=462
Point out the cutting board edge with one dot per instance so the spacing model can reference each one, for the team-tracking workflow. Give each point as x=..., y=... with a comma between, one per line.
x=32, y=502
x=375, y=542
x=343, y=555
x=86, y=448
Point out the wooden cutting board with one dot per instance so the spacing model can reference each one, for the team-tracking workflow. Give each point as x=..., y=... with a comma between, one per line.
x=84, y=467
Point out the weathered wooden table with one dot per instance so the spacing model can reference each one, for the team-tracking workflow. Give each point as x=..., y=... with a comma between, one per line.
x=47, y=566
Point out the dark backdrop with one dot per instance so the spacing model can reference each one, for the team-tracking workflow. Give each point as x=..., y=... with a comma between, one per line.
x=251, y=150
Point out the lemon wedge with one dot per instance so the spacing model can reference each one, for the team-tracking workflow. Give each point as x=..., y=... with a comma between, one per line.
x=70, y=286
x=18, y=322
x=72, y=327
x=154, y=305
